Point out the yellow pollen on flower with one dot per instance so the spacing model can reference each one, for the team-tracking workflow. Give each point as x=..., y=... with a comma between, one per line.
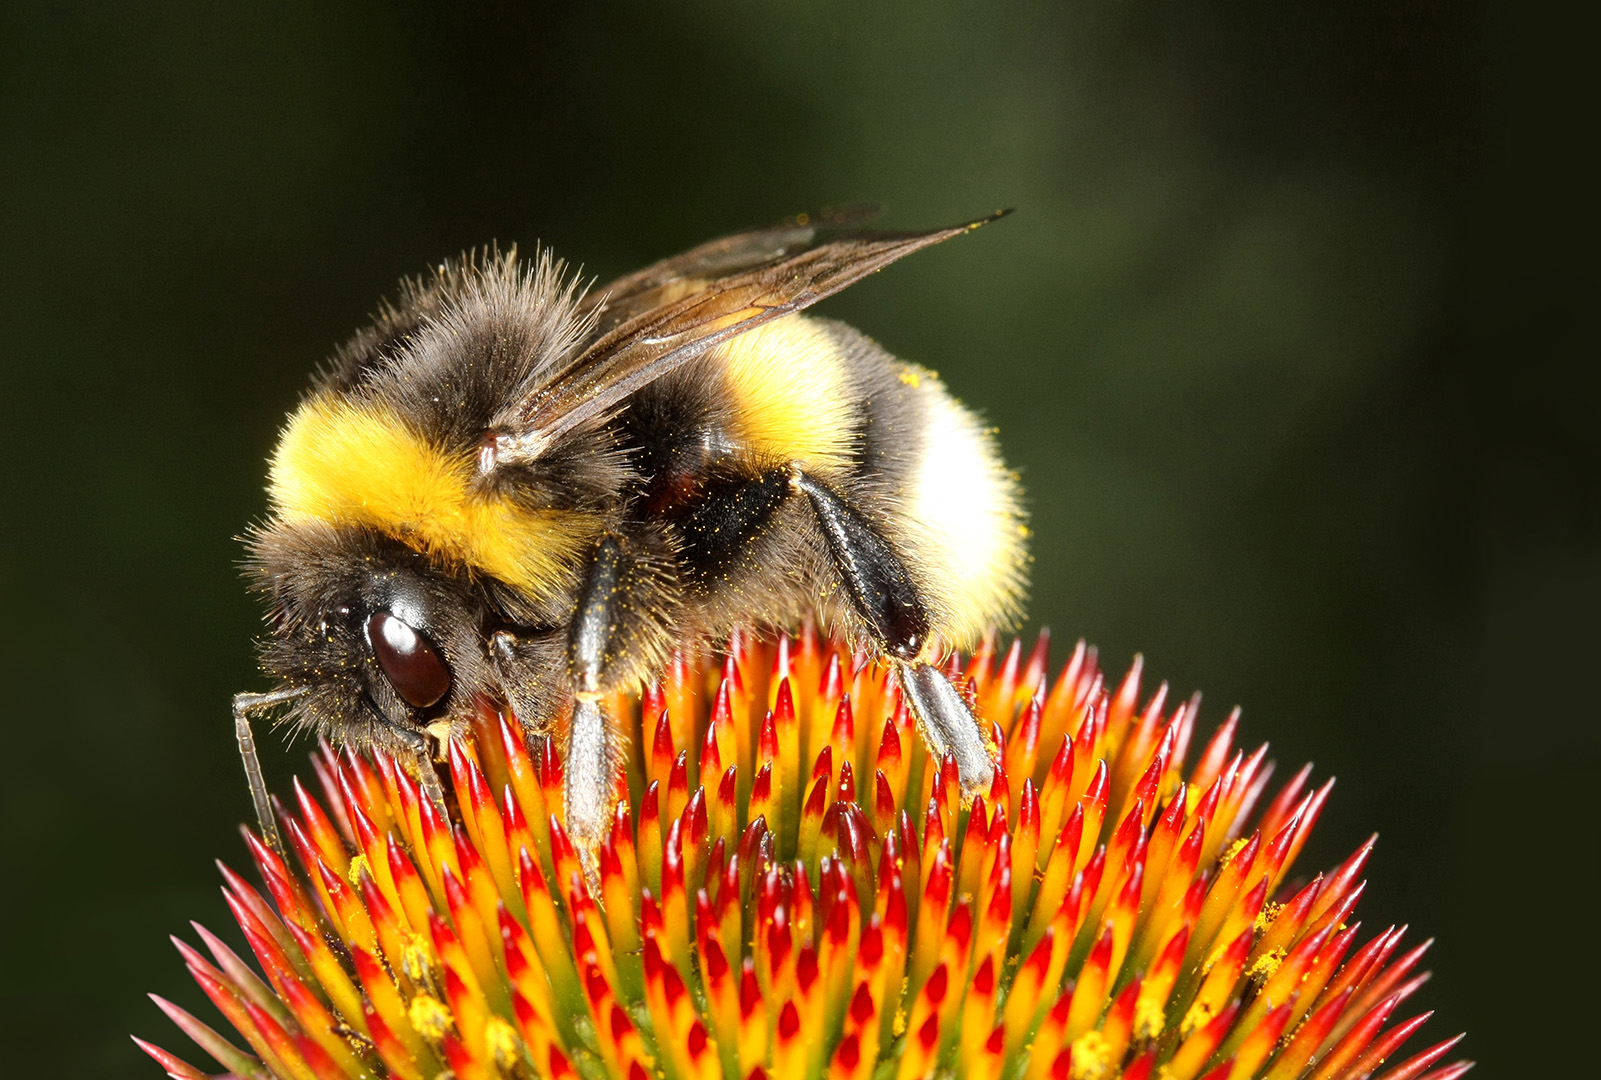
x=1266, y=965
x=503, y=1042
x=1234, y=849
x=417, y=960
x=358, y=863
x=1092, y=1057
x=429, y=1016
x=1149, y=1018
x=1264, y=919
x=1199, y=1015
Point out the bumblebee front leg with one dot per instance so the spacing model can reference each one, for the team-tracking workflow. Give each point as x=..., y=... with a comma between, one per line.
x=243, y=706
x=886, y=598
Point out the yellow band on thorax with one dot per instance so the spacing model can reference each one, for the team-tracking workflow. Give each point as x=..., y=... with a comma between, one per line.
x=356, y=463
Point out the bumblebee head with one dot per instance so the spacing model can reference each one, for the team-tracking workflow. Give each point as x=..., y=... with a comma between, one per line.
x=383, y=645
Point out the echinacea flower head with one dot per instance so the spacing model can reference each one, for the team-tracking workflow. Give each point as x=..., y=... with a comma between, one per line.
x=793, y=889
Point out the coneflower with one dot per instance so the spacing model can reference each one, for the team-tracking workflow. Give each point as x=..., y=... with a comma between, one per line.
x=792, y=889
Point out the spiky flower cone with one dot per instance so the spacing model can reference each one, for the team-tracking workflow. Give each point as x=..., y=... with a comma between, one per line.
x=792, y=890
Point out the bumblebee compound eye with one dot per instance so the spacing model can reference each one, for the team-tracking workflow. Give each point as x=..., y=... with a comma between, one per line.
x=410, y=662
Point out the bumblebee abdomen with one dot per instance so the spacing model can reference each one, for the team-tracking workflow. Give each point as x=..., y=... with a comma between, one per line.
x=898, y=445
x=962, y=518
x=792, y=392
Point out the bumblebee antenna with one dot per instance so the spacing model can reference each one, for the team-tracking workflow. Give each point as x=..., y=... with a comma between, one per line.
x=243, y=706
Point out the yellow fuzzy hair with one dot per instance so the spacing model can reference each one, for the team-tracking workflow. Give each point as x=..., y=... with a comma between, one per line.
x=355, y=463
x=791, y=388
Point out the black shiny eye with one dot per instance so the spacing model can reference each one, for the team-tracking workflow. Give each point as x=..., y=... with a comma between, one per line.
x=410, y=662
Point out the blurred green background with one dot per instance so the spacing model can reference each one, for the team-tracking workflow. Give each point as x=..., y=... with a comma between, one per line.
x=1284, y=337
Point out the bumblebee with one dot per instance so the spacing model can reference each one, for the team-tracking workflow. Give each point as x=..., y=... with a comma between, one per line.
x=508, y=489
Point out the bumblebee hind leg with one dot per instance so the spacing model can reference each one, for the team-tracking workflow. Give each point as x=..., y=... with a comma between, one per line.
x=886, y=598
x=947, y=726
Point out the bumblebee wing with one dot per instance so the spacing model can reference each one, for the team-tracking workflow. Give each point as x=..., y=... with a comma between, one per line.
x=786, y=275
x=696, y=269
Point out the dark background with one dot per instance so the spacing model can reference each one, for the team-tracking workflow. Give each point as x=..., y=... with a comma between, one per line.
x=1284, y=337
